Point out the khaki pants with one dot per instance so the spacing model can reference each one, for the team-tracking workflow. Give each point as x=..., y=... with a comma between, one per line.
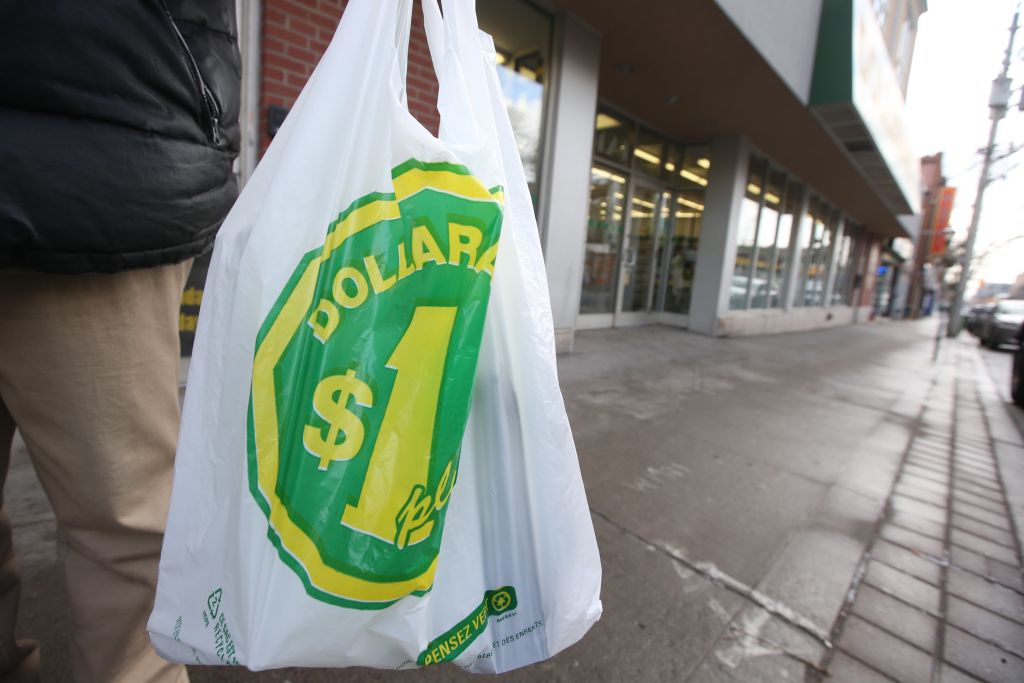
x=89, y=375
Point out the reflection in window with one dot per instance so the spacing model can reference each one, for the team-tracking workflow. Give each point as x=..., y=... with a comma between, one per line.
x=649, y=152
x=612, y=137
x=816, y=257
x=750, y=208
x=683, y=222
x=604, y=231
x=844, y=269
x=522, y=39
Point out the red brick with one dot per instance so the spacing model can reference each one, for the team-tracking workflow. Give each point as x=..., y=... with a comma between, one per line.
x=286, y=36
x=303, y=27
x=303, y=55
x=297, y=80
x=273, y=45
x=325, y=21
x=281, y=90
x=285, y=63
x=272, y=74
x=274, y=16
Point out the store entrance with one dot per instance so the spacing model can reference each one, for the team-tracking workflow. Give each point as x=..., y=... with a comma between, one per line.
x=639, y=260
x=643, y=225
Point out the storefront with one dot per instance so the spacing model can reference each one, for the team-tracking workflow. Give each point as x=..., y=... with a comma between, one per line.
x=730, y=168
x=643, y=226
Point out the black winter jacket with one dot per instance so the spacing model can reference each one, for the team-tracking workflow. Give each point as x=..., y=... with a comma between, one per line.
x=118, y=129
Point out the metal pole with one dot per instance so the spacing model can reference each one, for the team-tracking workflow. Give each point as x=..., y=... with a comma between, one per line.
x=972, y=232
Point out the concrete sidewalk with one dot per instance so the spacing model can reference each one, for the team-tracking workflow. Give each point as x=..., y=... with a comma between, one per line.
x=829, y=505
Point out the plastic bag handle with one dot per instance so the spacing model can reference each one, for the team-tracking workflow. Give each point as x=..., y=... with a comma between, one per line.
x=434, y=27
x=403, y=29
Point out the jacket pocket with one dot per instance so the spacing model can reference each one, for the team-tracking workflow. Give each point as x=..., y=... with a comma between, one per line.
x=211, y=111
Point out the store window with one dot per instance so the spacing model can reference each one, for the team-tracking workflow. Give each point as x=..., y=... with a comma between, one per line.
x=742, y=285
x=522, y=39
x=613, y=137
x=844, y=267
x=605, y=223
x=767, y=216
x=815, y=259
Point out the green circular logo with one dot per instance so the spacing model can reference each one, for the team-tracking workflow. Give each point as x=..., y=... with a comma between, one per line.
x=362, y=381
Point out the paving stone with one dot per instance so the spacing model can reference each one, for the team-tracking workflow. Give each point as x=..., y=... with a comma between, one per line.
x=912, y=540
x=984, y=593
x=897, y=617
x=935, y=467
x=986, y=531
x=924, y=526
x=971, y=487
x=951, y=674
x=975, y=452
x=924, y=485
x=903, y=586
x=883, y=652
x=975, y=512
x=928, y=457
x=968, y=559
x=985, y=661
x=907, y=561
x=932, y=514
x=1008, y=575
x=983, y=485
x=994, y=506
x=911, y=490
x=980, y=486
x=980, y=460
x=1009, y=635
x=985, y=547
x=933, y=475
x=844, y=669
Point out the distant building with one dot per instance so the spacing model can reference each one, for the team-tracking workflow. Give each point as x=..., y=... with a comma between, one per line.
x=1017, y=290
x=726, y=166
x=937, y=200
x=990, y=292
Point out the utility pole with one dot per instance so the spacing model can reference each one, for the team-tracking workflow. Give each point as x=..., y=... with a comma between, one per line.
x=998, y=102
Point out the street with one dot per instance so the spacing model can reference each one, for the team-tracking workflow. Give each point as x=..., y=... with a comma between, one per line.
x=831, y=505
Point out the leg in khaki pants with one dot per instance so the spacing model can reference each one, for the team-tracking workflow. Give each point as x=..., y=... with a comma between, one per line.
x=89, y=374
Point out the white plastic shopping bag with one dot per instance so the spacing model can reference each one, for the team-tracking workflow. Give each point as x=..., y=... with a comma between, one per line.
x=375, y=466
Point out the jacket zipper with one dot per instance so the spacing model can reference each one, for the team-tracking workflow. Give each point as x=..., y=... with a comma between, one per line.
x=209, y=105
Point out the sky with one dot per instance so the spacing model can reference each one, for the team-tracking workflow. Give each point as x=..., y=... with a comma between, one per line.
x=959, y=50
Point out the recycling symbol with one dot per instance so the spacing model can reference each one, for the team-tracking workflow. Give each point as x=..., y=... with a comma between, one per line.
x=213, y=602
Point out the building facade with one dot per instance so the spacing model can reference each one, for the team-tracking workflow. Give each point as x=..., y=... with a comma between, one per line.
x=937, y=200
x=724, y=166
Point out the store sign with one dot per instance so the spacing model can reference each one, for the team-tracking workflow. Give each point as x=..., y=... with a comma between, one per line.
x=855, y=80
x=943, y=210
x=878, y=98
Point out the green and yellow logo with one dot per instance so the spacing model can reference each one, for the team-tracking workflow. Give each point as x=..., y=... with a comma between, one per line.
x=458, y=638
x=362, y=380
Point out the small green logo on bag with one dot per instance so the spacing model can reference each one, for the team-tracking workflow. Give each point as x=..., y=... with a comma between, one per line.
x=455, y=640
x=362, y=381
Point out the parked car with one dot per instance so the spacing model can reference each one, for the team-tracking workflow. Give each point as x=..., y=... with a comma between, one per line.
x=972, y=320
x=1017, y=375
x=1002, y=323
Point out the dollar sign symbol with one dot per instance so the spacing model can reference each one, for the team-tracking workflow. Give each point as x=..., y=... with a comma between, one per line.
x=330, y=399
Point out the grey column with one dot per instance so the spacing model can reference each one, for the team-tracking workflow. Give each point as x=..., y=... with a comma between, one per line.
x=830, y=283
x=565, y=179
x=716, y=251
x=796, y=244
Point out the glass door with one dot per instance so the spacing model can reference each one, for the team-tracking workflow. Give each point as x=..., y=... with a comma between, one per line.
x=677, y=259
x=647, y=215
x=605, y=221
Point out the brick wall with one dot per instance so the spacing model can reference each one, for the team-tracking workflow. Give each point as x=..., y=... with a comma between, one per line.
x=296, y=34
